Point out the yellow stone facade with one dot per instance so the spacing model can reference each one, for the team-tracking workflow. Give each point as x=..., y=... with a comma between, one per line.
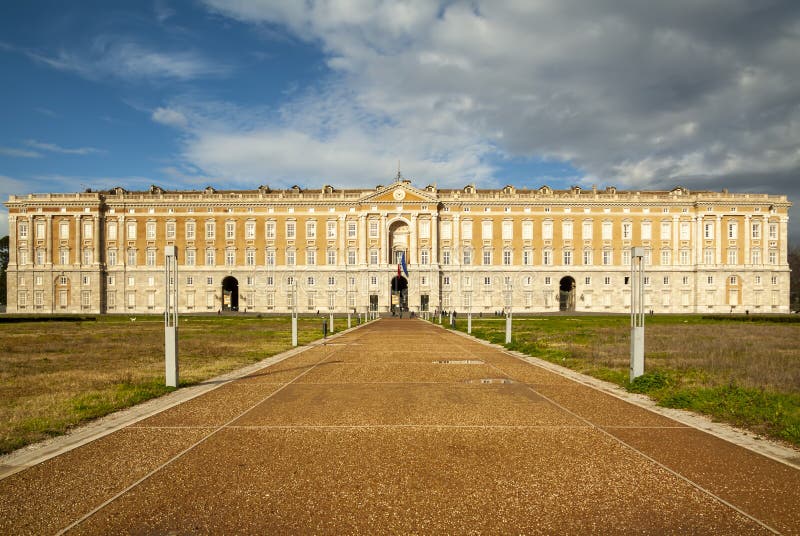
x=263, y=250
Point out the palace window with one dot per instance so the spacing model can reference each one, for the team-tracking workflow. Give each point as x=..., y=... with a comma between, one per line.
x=773, y=231
x=527, y=230
x=190, y=230
x=647, y=233
x=311, y=257
x=467, y=256
x=466, y=230
x=63, y=230
x=250, y=257
x=211, y=230
x=424, y=256
x=527, y=257
x=487, y=257
x=130, y=230
x=756, y=231
x=567, y=257
x=566, y=230
x=291, y=230
x=211, y=257
x=311, y=230
x=608, y=230
x=290, y=257
x=666, y=230
x=331, y=257
x=508, y=230
x=230, y=230
x=352, y=229
x=269, y=230
x=588, y=230
x=547, y=230
x=507, y=257
x=330, y=229
x=486, y=230
x=445, y=256
x=250, y=230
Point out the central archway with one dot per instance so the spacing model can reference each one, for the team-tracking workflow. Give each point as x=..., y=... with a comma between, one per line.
x=230, y=294
x=399, y=290
x=566, y=294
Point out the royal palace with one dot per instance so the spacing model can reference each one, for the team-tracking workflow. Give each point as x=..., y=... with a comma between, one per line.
x=398, y=247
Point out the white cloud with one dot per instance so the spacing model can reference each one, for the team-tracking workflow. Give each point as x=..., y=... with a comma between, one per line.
x=18, y=153
x=117, y=57
x=53, y=148
x=167, y=116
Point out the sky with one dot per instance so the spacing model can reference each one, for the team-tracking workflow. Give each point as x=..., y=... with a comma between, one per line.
x=235, y=94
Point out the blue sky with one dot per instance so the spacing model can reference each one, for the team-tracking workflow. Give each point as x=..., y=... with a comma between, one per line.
x=240, y=93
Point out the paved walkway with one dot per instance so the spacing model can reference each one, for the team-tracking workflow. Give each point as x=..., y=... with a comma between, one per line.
x=402, y=427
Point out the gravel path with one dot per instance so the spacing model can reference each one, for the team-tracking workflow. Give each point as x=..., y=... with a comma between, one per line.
x=402, y=427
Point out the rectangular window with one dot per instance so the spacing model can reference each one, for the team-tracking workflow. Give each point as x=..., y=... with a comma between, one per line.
x=773, y=256
x=22, y=230
x=685, y=257
x=250, y=257
x=626, y=257
x=567, y=258
x=250, y=230
x=63, y=230
x=588, y=230
x=733, y=230
x=755, y=256
x=685, y=230
x=40, y=230
x=352, y=229
x=527, y=257
x=269, y=257
x=467, y=256
x=487, y=257
x=373, y=256
x=87, y=256
x=733, y=257
x=447, y=230
x=311, y=230
x=424, y=229
x=756, y=231
x=627, y=230
x=708, y=231
x=507, y=257
x=607, y=257
x=290, y=257
x=666, y=257
x=330, y=229
x=63, y=257
x=190, y=257
x=130, y=230
x=486, y=230
x=566, y=230
x=351, y=257
x=527, y=230
x=508, y=230
x=131, y=257
x=269, y=230
x=445, y=256
x=607, y=280
x=211, y=230
x=291, y=230
x=587, y=257
x=331, y=257
x=230, y=230
x=112, y=231
x=773, y=231
x=708, y=256
x=466, y=230
x=666, y=230
x=647, y=232
x=373, y=228
x=607, y=230
x=150, y=257
x=190, y=230
x=487, y=281
x=547, y=257
x=150, y=230
x=211, y=257
x=424, y=257
x=547, y=230
x=311, y=257
x=86, y=299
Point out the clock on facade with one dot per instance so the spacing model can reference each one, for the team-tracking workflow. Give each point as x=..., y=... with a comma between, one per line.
x=399, y=194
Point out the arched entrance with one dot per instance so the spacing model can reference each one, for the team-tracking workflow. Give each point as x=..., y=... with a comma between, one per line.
x=230, y=294
x=566, y=295
x=399, y=289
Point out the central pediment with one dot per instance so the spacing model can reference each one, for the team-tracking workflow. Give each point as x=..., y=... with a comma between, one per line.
x=400, y=191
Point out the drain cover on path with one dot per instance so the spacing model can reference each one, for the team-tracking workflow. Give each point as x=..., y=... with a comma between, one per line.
x=458, y=362
x=486, y=381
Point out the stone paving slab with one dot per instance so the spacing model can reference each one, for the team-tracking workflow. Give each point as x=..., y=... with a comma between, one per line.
x=763, y=488
x=405, y=481
x=403, y=405
x=423, y=372
x=47, y=497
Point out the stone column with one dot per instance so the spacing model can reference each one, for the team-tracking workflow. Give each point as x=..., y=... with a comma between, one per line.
x=12, y=242
x=434, y=258
x=48, y=244
x=384, y=241
x=77, y=259
x=96, y=240
x=747, y=236
x=362, y=239
x=718, y=240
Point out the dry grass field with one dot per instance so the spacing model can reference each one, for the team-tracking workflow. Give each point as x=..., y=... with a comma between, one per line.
x=54, y=375
x=743, y=372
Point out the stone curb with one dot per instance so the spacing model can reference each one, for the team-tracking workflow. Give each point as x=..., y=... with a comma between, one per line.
x=766, y=447
x=36, y=453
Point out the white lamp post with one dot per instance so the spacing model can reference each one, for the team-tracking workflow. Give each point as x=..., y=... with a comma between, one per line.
x=637, y=312
x=171, y=315
x=509, y=298
x=294, y=312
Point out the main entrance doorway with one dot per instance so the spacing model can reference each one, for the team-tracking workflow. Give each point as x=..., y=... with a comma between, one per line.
x=399, y=288
x=230, y=294
x=566, y=295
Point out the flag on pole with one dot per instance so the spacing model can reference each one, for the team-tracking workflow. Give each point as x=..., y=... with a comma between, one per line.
x=403, y=263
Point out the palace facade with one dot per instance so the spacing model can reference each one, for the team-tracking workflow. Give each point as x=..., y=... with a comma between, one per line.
x=264, y=250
